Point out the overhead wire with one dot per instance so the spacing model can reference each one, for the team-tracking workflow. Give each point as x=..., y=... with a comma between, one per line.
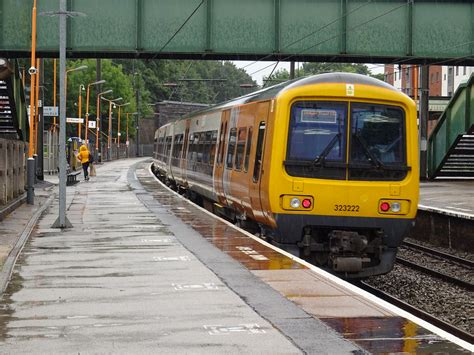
x=311, y=33
x=335, y=36
x=179, y=29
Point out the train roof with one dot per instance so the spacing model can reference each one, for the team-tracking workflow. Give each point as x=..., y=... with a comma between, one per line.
x=273, y=91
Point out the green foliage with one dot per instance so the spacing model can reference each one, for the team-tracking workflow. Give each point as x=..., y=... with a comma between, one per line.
x=319, y=68
x=192, y=79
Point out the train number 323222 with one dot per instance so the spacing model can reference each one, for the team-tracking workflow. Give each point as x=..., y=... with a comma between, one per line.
x=346, y=208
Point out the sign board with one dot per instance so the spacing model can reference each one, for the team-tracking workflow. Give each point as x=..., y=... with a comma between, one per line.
x=92, y=124
x=50, y=111
x=74, y=120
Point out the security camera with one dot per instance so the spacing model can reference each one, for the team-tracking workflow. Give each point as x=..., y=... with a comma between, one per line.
x=32, y=71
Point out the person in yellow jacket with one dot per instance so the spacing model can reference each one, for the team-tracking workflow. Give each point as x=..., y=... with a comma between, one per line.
x=84, y=156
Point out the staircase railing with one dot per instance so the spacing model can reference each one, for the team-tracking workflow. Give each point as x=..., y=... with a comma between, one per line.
x=14, y=115
x=455, y=121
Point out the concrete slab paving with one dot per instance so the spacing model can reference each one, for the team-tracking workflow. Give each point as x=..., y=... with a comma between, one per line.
x=120, y=282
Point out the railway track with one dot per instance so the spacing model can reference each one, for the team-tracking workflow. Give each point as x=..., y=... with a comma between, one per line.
x=436, y=321
x=447, y=267
x=437, y=253
x=440, y=275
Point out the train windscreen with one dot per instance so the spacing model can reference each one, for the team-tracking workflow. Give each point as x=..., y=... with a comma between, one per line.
x=318, y=143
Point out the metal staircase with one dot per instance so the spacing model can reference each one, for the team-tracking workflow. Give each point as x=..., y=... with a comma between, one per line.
x=451, y=144
x=13, y=122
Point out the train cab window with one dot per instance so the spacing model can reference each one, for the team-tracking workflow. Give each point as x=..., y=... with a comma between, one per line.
x=317, y=140
x=231, y=148
x=247, y=151
x=259, y=151
x=239, y=152
x=377, y=149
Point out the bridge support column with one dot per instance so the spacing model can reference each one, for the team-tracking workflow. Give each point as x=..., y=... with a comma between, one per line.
x=423, y=115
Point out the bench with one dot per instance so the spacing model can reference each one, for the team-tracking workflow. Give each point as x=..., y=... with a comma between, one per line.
x=72, y=176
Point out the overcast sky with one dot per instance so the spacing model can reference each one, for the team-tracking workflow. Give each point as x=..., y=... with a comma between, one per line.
x=260, y=69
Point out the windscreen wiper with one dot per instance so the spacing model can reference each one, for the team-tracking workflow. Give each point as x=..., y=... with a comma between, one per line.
x=319, y=161
x=372, y=158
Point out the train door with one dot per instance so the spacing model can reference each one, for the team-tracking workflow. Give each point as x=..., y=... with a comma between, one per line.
x=220, y=161
x=260, y=129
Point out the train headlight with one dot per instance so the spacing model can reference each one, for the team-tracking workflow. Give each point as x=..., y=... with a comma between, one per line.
x=295, y=202
x=395, y=207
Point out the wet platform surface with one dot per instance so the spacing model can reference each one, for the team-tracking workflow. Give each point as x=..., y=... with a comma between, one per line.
x=450, y=197
x=129, y=277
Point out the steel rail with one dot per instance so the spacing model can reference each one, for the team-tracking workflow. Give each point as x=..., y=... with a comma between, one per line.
x=445, y=277
x=440, y=254
x=461, y=334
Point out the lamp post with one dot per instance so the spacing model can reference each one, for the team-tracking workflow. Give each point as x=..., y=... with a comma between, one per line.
x=79, y=109
x=118, y=123
x=87, y=106
x=82, y=67
x=98, y=121
x=109, y=138
x=127, y=142
x=30, y=198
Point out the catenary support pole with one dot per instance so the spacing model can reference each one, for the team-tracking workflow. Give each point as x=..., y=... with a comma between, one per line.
x=62, y=221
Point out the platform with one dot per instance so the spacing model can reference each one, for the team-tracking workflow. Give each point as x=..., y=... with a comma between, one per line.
x=449, y=197
x=131, y=277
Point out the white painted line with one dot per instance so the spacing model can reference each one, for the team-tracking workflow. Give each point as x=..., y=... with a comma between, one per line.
x=167, y=240
x=460, y=209
x=252, y=253
x=171, y=258
x=190, y=287
x=240, y=328
x=334, y=279
x=446, y=211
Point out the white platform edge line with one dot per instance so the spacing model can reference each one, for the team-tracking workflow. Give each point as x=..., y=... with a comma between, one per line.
x=391, y=308
x=445, y=211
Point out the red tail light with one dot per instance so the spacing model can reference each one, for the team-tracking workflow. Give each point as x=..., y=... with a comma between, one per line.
x=306, y=203
x=384, y=206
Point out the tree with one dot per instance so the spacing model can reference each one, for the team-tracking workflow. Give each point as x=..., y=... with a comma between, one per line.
x=311, y=68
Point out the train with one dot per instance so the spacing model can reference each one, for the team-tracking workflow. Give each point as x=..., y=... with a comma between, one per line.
x=325, y=167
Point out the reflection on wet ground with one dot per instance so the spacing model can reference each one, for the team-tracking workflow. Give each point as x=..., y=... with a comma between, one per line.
x=252, y=254
x=390, y=334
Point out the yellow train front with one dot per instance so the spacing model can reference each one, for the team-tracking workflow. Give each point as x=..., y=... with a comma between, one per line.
x=325, y=166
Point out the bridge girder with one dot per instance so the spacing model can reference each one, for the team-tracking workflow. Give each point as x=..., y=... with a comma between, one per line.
x=384, y=31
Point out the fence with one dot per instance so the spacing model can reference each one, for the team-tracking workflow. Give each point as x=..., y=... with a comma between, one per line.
x=12, y=169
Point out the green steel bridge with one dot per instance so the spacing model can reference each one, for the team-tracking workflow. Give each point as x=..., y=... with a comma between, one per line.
x=363, y=31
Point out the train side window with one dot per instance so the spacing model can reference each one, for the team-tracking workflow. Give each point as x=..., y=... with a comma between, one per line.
x=247, y=151
x=220, y=158
x=239, y=152
x=168, y=146
x=212, y=151
x=231, y=148
x=200, y=147
x=259, y=151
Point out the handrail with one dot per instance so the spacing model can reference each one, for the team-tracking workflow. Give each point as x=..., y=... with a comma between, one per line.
x=457, y=119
